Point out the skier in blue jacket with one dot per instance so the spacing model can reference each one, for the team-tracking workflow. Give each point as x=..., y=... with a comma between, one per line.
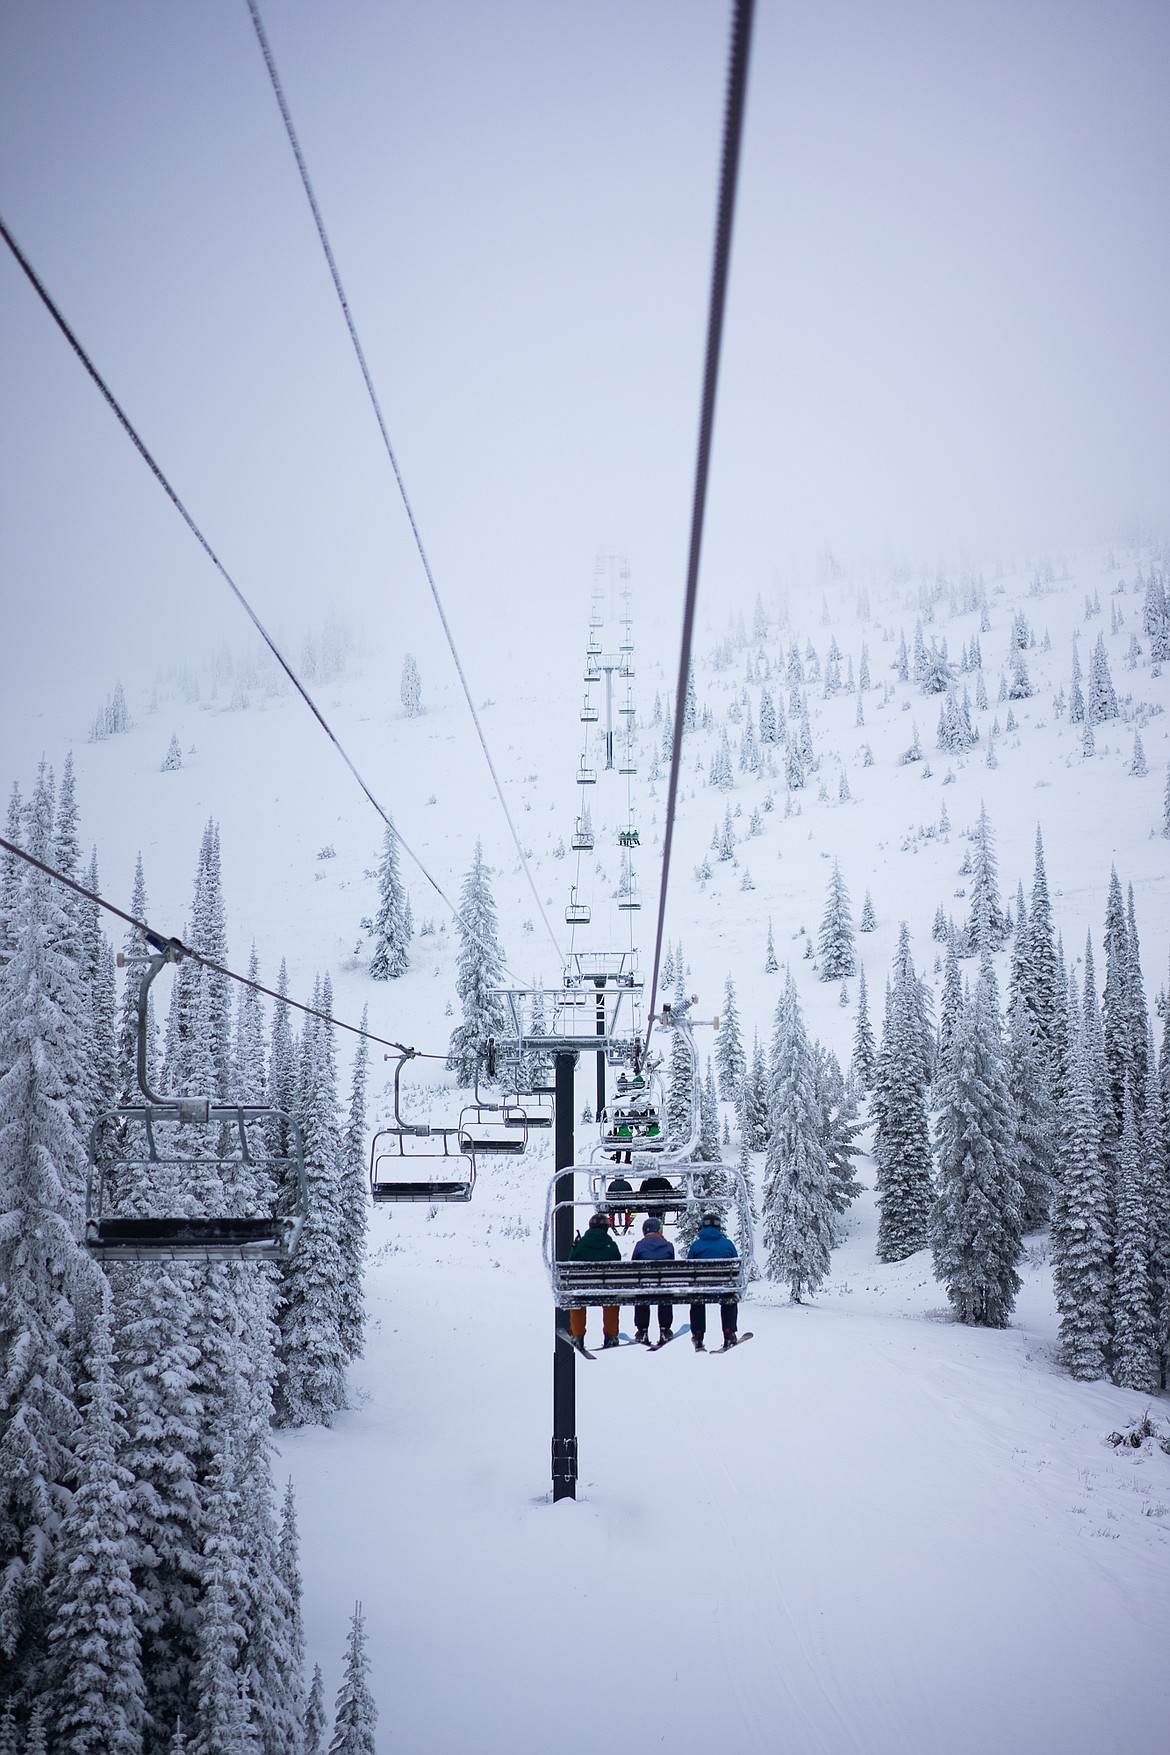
x=713, y=1243
x=653, y=1246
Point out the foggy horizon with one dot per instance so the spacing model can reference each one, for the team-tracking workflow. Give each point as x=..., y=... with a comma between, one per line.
x=945, y=335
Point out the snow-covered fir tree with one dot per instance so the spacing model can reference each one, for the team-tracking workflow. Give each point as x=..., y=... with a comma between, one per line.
x=976, y=1222
x=311, y=1383
x=753, y=1101
x=1082, y=1224
x=729, y=1055
x=836, y=942
x=43, y=1272
x=410, y=688
x=986, y=923
x=798, y=1218
x=707, y=1150
x=480, y=970
x=355, y=1204
x=1134, y=1353
x=94, y=1639
x=355, y=1716
x=868, y=921
x=1101, y=699
x=864, y=1061
x=315, y=1719
x=392, y=926
x=902, y=1139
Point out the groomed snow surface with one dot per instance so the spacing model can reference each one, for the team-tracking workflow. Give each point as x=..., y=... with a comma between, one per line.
x=870, y=1530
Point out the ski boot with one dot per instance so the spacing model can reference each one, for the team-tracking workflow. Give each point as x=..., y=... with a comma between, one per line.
x=641, y=1334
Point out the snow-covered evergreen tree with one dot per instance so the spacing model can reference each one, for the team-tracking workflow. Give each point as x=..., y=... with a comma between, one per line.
x=391, y=926
x=753, y=1102
x=1101, y=700
x=94, y=1636
x=311, y=1382
x=480, y=970
x=1134, y=1350
x=315, y=1720
x=355, y=1715
x=864, y=1047
x=1081, y=1223
x=43, y=1271
x=902, y=1139
x=836, y=942
x=976, y=1222
x=770, y=963
x=868, y=921
x=987, y=923
x=222, y=1712
x=355, y=1205
x=798, y=1218
x=410, y=688
x=729, y=1054
x=707, y=1150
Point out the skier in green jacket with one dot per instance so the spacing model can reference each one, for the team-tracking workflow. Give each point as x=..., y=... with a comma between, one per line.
x=595, y=1244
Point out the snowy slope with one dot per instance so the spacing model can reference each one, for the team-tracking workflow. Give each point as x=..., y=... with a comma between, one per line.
x=871, y=1530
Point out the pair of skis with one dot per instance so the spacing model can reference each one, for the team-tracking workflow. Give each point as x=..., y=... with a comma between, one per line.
x=650, y=1346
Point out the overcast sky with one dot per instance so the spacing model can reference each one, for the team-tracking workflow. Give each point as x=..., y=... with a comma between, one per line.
x=946, y=330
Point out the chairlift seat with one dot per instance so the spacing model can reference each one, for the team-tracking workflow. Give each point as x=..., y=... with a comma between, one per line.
x=583, y=841
x=589, y=713
x=181, y=1239
x=417, y=1193
x=702, y=1281
x=586, y=776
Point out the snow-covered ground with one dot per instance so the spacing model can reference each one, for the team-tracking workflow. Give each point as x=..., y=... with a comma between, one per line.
x=871, y=1530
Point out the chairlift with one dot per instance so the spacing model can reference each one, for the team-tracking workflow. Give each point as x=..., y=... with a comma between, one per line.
x=411, y=1162
x=577, y=913
x=593, y=648
x=586, y=776
x=626, y=669
x=594, y=618
x=628, y=708
x=173, y=1153
x=592, y=674
x=627, y=765
x=628, y=838
x=532, y=1108
x=485, y=1130
x=589, y=713
x=702, y=1281
x=629, y=904
x=583, y=836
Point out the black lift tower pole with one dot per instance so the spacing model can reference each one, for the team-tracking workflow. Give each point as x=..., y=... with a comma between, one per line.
x=564, y=1441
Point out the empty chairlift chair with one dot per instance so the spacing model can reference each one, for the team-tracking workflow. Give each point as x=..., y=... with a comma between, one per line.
x=492, y=1129
x=576, y=913
x=413, y=1162
x=192, y=1178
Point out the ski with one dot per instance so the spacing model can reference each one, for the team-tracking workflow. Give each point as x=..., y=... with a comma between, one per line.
x=657, y=1346
x=570, y=1341
x=740, y=1339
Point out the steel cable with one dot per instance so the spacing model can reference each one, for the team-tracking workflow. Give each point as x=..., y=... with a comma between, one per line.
x=741, y=40
x=140, y=446
x=302, y=167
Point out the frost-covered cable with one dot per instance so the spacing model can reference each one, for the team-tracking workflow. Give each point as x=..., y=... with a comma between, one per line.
x=185, y=950
x=741, y=42
x=302, y=167
x=139, y=444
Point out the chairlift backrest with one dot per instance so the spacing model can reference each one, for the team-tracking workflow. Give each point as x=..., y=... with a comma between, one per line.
x=172, y=1153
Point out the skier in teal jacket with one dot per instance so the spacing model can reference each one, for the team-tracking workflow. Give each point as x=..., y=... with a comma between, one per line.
x=713, y=1243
